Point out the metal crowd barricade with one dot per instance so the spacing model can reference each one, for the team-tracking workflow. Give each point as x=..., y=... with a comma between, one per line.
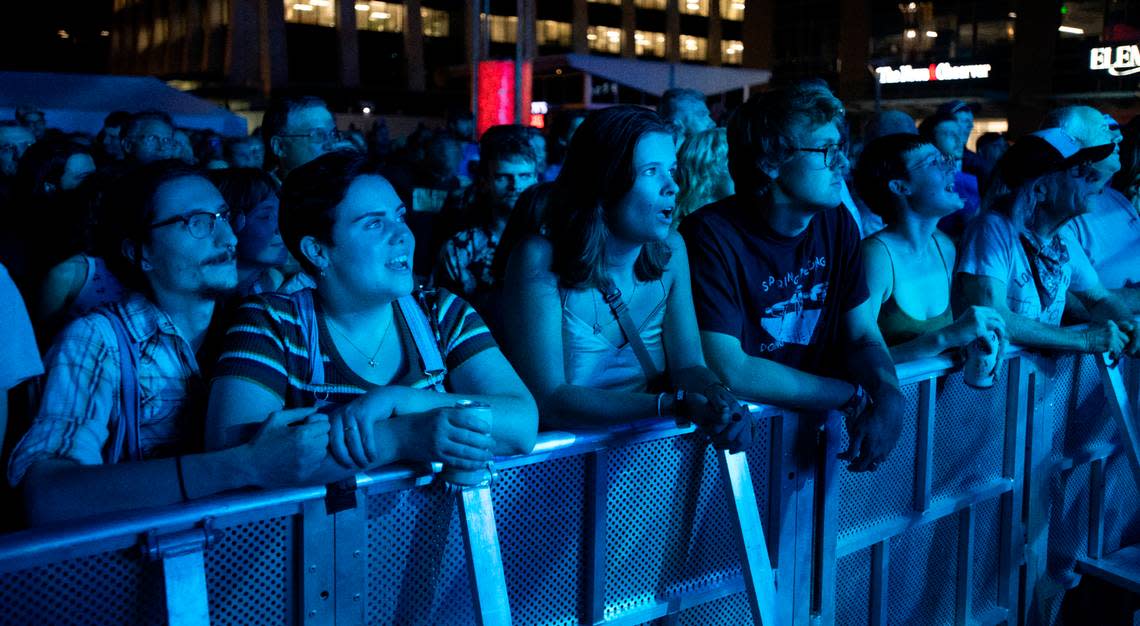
x=992, y=505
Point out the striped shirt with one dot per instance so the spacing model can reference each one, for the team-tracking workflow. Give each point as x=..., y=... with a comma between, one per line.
x=81, y=392
x=265, y=345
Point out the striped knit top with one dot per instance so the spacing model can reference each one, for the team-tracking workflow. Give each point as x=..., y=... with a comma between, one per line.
x=265, y=345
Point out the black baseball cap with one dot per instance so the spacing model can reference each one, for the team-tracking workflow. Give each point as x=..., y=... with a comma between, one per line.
x=1046, y=151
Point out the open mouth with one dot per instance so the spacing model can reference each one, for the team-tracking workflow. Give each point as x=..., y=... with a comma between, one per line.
x=222, y=259
x=666, y=214
x=398, y=263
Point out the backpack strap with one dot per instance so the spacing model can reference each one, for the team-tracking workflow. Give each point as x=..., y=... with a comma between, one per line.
x=612, y=297
x=310, y=333
x=425, y=333
x=125, y=437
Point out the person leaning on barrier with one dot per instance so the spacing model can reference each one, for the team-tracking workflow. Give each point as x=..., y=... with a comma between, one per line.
x=608, y=267
x=362, y=343
x=1109, y=232
x=1014, y=258
x=778, y=276
x=909, y=264
x=120, y=417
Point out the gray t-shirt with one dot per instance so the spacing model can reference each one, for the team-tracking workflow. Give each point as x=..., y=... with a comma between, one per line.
x=992, y=248
x=1110, y=236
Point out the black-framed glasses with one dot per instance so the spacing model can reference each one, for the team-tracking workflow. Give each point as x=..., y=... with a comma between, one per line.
x=944, y=161
x=830, y=153
x=318, y=136
x=164, y=142
x=201, y=224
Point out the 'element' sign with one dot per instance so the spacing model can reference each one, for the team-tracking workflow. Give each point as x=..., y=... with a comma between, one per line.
x=941, y=71
x=1118, y=61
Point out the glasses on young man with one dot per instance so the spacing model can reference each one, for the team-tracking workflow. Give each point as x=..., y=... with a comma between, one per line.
x=201, y=224
x=830, y=153
x=317, y=136
x=944, y=161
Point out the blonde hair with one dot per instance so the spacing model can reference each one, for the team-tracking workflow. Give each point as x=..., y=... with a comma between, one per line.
x=702, y=171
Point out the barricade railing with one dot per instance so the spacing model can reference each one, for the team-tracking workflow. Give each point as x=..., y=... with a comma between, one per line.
x=647, y=522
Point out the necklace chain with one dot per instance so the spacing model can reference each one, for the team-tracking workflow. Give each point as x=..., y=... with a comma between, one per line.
x=383, y=338
x=597, y=320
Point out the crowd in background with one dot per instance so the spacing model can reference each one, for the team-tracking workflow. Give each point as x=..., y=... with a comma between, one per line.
x=183, y=314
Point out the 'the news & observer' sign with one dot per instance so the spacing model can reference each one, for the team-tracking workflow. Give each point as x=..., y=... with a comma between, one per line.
x=935, y=71
x=1117, y=61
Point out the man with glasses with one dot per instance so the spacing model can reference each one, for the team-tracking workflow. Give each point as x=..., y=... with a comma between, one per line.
x=296, y=131
x=14, y=140
x=147, y=137
x=1109, y=233
x=120, y=421
x=777, y=274
x=947, y=134
x=1014, y=259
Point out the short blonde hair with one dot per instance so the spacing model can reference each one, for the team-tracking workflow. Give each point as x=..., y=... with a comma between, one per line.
x=702, y=169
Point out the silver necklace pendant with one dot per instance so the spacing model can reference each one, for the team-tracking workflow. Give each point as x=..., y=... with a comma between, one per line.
x=371, y=363
x=597, y=328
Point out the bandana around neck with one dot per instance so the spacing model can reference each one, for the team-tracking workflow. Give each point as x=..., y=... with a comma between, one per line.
x=1048, y=264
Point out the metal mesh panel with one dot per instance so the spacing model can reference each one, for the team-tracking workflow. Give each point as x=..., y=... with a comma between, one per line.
x=1121, y=504
x=867, y=498
x=969, y=433
x=416, y=568
x=539, y=512
x=1076, y=405
x=987, y=542
x=669, y=528
x=249, y=574
x=1068, y=520
x=759, y=461
x=728, y=611
x=923, y=572
x=110, y=588
x=852, y=589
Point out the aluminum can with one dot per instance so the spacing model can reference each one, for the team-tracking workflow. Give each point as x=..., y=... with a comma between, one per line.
x=981, y=367
x=455, y=479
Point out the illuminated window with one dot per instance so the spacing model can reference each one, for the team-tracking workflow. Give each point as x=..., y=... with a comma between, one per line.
x=694, y=48
x=385, y=17
x=436, y=23
x=551, y=33
x=731, y=52
x=617, y=2
x=649, y=44
x=650, y=4
x=503, y=28
x=732, y=9
x=695, y=7
x=604, y=39
x=319, y=12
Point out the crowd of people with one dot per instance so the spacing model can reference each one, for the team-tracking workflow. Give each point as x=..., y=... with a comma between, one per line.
x=185, y=314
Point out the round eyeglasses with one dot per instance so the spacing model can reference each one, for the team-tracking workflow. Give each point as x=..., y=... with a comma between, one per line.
x=201, y=224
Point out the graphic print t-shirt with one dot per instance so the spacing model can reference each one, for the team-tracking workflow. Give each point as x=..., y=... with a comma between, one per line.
x=783, y=297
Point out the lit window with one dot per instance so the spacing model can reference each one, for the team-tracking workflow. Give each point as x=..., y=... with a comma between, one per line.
x=503, y=28
x=384, y=17
x=318, y=12
x=552, y=33
x=436, y=23
x=694, y=48
x=650, y=4
x=649, y=44
x=732, y=10
x=731, y=52
x=617, y=2
x=695, y=7
x=604, y=39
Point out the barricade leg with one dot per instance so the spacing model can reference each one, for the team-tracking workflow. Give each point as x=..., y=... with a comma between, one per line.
x=184, y=573
x=484, y=560
x=756, y=565
x=1121, y=409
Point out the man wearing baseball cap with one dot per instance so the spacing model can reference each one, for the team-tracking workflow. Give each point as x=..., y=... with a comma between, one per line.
x=1109, y=233
x=1014, y=259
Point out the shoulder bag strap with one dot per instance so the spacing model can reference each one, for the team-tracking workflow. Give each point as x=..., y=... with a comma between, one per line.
x=310, y=333
x=629, y=329
x=424, y=335
x=124, y=431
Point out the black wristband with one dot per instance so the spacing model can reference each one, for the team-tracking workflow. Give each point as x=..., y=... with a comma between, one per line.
x=181, y=480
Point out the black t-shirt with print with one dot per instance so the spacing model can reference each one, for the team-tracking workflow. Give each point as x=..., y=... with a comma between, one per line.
x=783, y=297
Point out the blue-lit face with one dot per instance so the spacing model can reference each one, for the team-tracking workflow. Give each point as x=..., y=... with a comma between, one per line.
x=807, y=179
x=371, y=252
x=259, y=242
x=930, y=182
x=645, y=212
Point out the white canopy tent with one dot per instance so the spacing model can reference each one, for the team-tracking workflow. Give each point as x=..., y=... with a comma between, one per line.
x=79, y=102
x=655, y=77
